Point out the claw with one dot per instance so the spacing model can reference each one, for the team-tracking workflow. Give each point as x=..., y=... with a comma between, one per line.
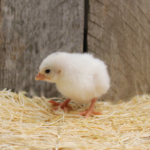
x=64, y=105
x=54, y=103
x=90, y=111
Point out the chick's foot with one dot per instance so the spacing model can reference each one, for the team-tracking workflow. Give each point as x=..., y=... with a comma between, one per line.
x=90, y=111
x=64, y=105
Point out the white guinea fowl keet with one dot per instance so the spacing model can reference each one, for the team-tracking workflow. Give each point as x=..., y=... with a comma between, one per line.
x=80, y=77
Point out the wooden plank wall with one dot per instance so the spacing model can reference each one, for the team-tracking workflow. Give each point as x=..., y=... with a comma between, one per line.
x=119, y=34
x=29, y=31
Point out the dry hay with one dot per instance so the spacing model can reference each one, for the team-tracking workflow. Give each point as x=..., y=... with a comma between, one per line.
x=31, y=124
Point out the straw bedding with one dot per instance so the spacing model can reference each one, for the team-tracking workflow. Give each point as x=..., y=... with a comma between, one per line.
x=32, y=124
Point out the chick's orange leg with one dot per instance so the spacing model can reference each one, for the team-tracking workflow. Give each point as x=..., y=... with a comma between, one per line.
x=90, y=111
x=64, y=105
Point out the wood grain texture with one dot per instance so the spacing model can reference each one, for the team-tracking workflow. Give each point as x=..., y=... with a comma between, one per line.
x=119, y=34
x=29, y=31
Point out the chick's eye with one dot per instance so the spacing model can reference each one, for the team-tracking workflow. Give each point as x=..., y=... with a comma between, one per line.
x=47, y=71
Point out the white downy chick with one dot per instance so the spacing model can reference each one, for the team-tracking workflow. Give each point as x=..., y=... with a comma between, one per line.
x=80, y=77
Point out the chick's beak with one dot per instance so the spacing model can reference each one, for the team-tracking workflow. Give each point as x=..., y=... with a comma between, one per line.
x=40, y=77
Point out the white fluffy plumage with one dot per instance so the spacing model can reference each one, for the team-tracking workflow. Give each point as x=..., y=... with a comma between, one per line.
x=80, y=77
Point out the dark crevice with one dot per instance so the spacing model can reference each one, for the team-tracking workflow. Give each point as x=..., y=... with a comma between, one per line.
x=86, y=12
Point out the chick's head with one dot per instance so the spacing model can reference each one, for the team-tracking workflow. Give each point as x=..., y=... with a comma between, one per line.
x=50, y=69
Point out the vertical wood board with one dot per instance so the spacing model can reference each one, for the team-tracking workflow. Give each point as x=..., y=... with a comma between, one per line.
x=118, y=33
x=29, y=31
